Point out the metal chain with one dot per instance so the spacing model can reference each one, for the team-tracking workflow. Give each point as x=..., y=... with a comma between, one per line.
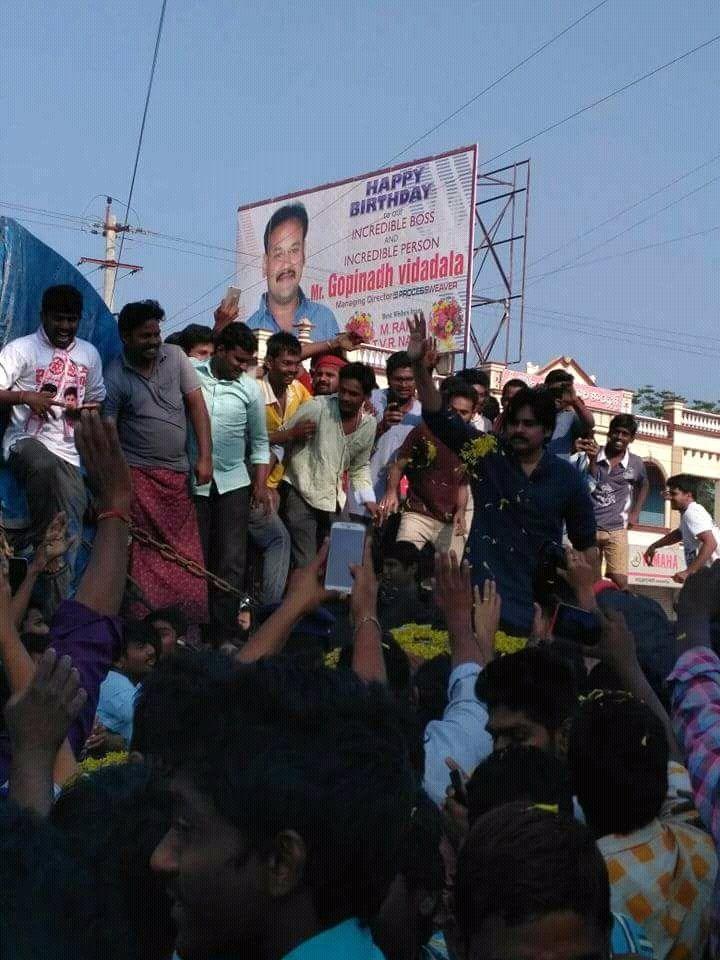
x=169, y=553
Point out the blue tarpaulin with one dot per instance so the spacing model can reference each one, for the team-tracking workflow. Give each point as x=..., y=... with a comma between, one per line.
x=27, y=267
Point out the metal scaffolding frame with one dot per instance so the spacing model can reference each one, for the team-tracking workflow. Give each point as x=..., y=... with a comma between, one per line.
x=499, y=253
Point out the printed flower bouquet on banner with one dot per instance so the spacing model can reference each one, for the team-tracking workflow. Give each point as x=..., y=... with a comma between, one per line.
x=446, y=319
x=361, y=324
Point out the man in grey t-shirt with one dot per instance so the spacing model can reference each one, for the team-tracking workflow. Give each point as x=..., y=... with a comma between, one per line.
x=152, y=390
x=621, y=488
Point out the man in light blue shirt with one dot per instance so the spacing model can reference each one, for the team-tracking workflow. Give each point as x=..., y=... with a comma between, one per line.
x=285, y=305
x=116, y=705
x=237, y=416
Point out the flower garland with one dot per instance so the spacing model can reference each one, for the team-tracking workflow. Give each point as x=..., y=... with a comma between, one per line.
x=423, y=455
x=421, y=640
x=472, y=452
x=112, y=759
x=424, y=641
x=504, y=643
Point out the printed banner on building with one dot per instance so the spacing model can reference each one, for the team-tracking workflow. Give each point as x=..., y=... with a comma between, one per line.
x=666, y=563
x=380, y=246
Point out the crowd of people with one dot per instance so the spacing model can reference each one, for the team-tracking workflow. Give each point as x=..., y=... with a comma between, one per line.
x=490, y=750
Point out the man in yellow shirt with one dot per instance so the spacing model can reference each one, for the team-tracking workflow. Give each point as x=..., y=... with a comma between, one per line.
x=282, y=395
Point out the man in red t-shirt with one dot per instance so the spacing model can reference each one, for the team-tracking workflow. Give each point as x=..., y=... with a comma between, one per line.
x=438, y=489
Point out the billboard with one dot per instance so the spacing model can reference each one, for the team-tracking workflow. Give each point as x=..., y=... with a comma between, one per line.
x=380, y=246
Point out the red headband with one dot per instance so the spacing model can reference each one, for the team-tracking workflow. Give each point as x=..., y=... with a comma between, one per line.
x=329, y=360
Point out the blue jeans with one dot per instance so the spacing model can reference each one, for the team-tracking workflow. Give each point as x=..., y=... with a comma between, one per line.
x=273, y=540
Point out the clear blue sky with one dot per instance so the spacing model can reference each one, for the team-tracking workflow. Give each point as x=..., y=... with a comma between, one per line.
x=254, y=100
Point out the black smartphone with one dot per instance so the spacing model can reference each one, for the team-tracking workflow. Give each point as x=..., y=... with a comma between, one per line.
x=458, y=787
x=17, y=572
x=573, y=623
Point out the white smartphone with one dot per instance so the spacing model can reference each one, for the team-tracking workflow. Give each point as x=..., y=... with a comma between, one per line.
x=347, y=543
x=232, y=296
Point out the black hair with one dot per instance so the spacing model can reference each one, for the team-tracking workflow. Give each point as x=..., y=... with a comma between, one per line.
x=283, y=342
x=50, y=905
x=237, y=335
x=457, y=387
x=113, y=819
x=319, y=752
x=176, y=707
x=519, y=773
x=172, y=615
x=405, y=553
x=472, y=376
x=63, y=298
x=36, y=642
x=397, y=361
x=431, y=685
x=618, y=756
x=70, y=391
x=513, y=382
x=685, y=483
x=361, y=372
x=193, y=335
x=541, y=402
x=423, y=871
x=138, y=633
x=624, y=421
x=558, y=377
x=175, y=339
x=134, y=315
x=491, y=408
x=291, y=211
x=534, y=681
x=520, y=863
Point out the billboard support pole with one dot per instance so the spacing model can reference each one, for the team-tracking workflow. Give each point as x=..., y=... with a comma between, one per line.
x=499, y=254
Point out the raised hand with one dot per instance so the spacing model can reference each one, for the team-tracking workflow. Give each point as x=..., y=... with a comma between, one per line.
x=418, y=343
x=107, y=471
x=486, y=617
x=225, y=314
x=39, y=717
x=55, y=544
x=363, y=599
x=453, y=589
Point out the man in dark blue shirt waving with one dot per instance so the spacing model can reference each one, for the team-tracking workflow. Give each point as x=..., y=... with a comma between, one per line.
x=523, y=494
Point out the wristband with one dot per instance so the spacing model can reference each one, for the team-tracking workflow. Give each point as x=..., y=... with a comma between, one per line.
x=113, y=515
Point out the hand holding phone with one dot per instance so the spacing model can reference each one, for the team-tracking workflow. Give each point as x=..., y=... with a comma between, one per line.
x=347, y=543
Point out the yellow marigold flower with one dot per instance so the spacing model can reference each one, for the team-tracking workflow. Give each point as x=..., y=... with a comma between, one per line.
x=332, y=659
x=504, y=643
x=421, y=640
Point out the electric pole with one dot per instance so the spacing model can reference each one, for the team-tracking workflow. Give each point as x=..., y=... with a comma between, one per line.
x=110, y=229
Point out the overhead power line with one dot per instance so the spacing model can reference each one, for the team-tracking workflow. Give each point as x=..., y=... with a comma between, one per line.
x=608, y=96
x=504, y=76
x=612, y=337
x=620, y=213
x=621, y=233
x=142, y=133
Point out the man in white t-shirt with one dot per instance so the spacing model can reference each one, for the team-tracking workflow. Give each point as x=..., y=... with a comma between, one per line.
x=700, y=536
x=41, y=377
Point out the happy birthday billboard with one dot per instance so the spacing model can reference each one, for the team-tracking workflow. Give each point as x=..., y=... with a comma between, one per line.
x=380, y=246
